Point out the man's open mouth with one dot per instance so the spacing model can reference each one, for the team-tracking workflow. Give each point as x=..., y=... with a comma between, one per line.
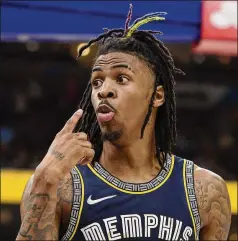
x=105, y=113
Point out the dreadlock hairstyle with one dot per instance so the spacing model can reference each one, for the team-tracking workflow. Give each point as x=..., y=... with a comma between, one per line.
x=145, y=46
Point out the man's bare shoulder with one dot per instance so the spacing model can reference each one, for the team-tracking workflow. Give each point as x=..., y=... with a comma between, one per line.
x=214, y=204
x=65, y=199
x=65, y=190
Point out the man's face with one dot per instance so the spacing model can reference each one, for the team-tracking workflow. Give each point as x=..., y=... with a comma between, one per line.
x=125, y=84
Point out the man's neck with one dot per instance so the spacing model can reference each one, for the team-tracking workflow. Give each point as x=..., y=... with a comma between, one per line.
x=133, y=163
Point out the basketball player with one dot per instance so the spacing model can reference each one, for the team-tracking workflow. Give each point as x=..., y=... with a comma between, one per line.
x=115, y=177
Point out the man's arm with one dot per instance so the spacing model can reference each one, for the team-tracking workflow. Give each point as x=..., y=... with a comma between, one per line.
x=214, y=205
x=40, y=219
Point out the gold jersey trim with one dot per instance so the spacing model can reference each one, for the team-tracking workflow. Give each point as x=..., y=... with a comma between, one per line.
x=188, y=179
x=77, y=205
x=132, y=188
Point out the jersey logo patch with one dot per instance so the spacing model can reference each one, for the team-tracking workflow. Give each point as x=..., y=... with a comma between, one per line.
x=90, y=201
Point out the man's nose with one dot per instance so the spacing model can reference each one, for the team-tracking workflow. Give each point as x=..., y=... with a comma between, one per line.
x=107, y=91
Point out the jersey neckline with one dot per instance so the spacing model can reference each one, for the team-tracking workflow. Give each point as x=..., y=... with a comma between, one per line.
x=134, y=188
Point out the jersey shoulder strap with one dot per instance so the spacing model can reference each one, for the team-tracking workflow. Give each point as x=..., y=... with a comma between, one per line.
x=189, y=184
x=77, y=203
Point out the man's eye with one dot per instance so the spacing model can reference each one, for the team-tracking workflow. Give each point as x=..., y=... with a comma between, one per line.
x=97, y=83
x=122, y=79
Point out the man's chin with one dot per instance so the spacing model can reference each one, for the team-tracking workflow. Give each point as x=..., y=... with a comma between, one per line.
x=111, y=136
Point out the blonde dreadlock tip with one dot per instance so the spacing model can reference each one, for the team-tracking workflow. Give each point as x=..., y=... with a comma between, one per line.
x=134, y=27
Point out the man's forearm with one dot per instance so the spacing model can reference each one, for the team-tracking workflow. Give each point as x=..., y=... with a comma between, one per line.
x=38, y=222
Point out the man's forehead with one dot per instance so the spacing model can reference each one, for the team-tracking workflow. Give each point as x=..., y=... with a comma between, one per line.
x=118, y=58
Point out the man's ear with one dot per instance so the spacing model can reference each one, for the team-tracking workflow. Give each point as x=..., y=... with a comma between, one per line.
x=159, y=96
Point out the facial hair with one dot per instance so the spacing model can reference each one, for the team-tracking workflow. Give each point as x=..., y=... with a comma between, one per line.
x=111, y=136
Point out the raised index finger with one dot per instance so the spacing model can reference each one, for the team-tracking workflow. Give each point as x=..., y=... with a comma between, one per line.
x=71, y=123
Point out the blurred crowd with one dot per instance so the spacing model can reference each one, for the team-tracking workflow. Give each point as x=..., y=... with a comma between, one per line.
x=36, y=100
x=33, y=111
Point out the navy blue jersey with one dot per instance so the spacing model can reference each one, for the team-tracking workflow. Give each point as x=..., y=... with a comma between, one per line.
x=106, y=208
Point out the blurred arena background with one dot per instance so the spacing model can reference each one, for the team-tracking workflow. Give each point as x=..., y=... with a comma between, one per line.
x=42, y=83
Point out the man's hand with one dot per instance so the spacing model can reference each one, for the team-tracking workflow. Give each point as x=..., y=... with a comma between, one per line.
x=67, y=150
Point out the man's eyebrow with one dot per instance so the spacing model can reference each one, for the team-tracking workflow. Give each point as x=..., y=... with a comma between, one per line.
x=121, y=66
x=97, y=68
